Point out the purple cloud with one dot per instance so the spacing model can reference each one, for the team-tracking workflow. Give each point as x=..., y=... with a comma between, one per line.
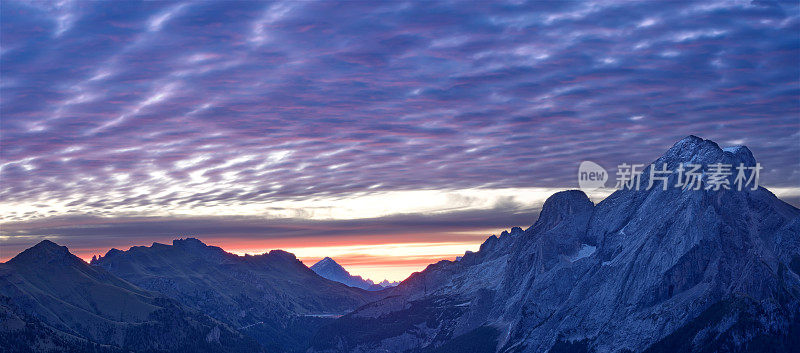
x=183, y=105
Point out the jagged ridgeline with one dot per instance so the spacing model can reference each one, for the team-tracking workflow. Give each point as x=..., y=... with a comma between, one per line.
x=166, y=298
x=642, y=271
x=50, y=300
x=272, y=297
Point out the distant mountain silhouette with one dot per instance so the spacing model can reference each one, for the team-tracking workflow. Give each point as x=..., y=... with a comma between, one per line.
x=273, y=297
x=331, y=270
x=642, y=271
x=52, y=300
x=386, y=284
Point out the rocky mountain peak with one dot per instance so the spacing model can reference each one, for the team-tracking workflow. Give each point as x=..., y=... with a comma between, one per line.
x=693, y=149
x=47, y=245
x=329, y=266
x=741, y=153
x=560, y=206
x=188, y=242
x=283, y=255
x=192, y=247
x=385, y=283
x=43, y=252
x=326, y=262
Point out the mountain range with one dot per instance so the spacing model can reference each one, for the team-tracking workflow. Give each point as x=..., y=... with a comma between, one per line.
x=272, y=297
x=53, y=300
x=647, y=270
x=653, y=270
x=330, y=269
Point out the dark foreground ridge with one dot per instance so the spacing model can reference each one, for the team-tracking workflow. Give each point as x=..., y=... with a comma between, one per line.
x=52, y=300
x=272, y=297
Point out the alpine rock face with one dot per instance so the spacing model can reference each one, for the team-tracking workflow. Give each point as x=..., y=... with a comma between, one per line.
x=272, y=297
x=330, y=269
x=50, y=300
x=651, y=270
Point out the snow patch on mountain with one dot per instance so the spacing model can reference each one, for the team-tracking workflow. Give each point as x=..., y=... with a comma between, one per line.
x=585, y=251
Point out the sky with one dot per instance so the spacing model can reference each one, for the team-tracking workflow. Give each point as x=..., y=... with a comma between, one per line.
x=385, y=134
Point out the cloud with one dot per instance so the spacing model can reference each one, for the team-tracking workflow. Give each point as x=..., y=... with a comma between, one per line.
x=88, y=235
x=155, y=109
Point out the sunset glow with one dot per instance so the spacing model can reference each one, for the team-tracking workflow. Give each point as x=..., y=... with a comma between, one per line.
x=316, y=176
x=362, y=248
x=388, y=142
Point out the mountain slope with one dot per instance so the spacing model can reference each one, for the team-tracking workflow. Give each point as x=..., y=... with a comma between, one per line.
x=273, y=297
x=656, y=270
x=52, y=293
x=330, y=269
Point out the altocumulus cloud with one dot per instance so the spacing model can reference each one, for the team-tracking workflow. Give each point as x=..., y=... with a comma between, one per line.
x=151, y=109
